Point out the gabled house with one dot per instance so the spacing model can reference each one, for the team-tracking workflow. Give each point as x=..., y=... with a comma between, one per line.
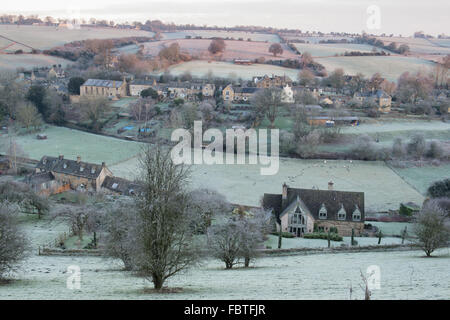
x=208, y=90
x=228, y=93
x=287, y=95
x=380, y=97
x=56, y=72
x=301, y=211
x=56, y=174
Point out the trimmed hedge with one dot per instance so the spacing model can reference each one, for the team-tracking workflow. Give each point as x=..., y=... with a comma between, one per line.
x=323, y=235
x=283, y=234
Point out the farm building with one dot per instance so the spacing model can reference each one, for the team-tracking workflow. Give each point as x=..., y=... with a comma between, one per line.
x=243, y=61
x=111, y=89
x=56, y=174
x=326, y=120
x=301, y=211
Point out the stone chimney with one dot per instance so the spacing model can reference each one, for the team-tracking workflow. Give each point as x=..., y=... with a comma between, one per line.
x=330, y=185
x=61, y=157
x=284, y=191
x=78, y=159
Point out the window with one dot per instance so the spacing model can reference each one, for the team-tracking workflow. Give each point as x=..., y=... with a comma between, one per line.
x=323, y=212
x=342, y=213
x=356, y=214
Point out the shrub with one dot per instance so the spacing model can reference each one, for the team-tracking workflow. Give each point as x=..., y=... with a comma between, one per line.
x=405, y=211
x=323, y=235
x=283, y=234
x=439, y=189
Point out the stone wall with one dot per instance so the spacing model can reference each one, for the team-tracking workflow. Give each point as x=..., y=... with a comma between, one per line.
x=344, y=227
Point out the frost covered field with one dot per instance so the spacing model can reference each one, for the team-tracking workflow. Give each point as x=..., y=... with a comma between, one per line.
x=243, y=184
x=404, y=275
x=200, y=68
x=254, y=36
x=390, y=67
x=13, y=61
x=324, y=49
x=234, y=49
x=72, y=143
x=43, y=37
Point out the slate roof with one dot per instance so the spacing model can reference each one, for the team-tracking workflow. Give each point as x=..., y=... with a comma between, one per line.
x=248, y=90
x=69, y=167
x=313, y=200
x=103, y=83
x=121, y=186
x=39, y=178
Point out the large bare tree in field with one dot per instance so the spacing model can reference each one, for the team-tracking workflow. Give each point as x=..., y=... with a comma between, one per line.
x=13, y=243
x=432, y=228
x=164, y=242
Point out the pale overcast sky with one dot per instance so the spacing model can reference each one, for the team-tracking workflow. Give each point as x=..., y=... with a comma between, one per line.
x=398, y=17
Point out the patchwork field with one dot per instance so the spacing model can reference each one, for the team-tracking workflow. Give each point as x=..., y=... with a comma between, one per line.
x=11, y=62
x=326, y=50
x=222, y=34
x=390, y=67
x=230, y=70
x=73, y=143
x=42, y=37
x=314, y=39
x=420, y=45
x=234, y=49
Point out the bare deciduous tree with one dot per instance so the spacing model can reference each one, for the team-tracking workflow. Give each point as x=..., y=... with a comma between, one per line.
x=238, y=236
x=164, y=233
x=13, y=243
x=432, y=227
x=81, y=218
x=267, y=102
x=118, y=224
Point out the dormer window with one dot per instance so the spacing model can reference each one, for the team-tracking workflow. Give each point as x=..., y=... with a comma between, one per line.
x=81, y=169
x=92, y=170
x=342, y=213
x=65, y=165
x=356, y=214
x=323, y=212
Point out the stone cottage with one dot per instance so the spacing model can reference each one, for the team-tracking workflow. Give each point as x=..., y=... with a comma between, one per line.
x=56, y=174
x=301, y=211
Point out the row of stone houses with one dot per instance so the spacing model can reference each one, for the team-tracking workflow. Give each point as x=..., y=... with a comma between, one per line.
x=54, y=175
x=183, y=90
